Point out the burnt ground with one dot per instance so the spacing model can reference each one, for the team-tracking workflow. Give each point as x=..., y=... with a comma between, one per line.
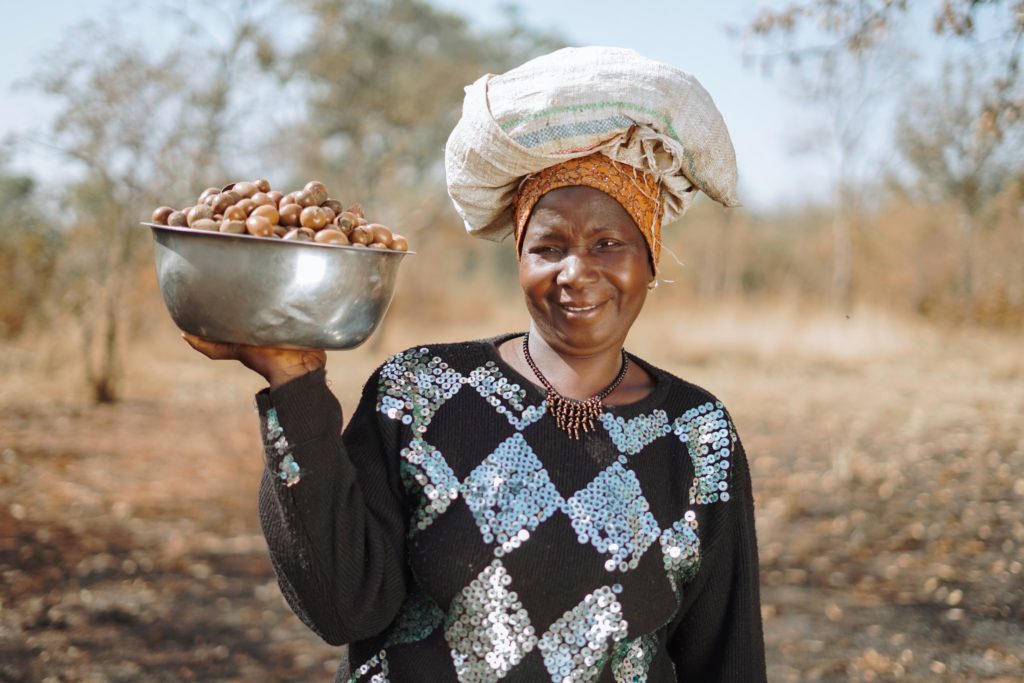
x=130, y=551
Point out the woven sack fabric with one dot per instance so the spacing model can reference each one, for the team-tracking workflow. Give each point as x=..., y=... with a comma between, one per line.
x=576, y=101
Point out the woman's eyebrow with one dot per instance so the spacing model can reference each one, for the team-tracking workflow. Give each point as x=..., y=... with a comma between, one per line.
x=541, y=231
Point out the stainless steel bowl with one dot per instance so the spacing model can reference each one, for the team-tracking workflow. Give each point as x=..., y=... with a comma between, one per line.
x=269, y=292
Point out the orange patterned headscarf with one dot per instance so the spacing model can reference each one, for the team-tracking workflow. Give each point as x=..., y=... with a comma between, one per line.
x=635, y=190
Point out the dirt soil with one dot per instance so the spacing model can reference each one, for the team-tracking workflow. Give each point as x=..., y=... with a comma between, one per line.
x=890, y=493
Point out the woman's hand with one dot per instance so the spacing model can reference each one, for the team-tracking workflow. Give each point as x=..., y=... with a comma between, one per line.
x=276, y=365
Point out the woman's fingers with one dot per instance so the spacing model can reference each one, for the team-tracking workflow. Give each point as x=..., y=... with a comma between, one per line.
x=211, y=349
x=276, y=365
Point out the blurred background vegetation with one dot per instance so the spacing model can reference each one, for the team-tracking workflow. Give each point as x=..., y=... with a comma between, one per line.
x=868, y=340
x=362, y=95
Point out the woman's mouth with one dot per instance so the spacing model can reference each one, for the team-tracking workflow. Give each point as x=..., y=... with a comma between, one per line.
x=580, y=309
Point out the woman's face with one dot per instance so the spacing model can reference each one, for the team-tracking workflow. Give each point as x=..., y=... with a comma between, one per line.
x=584, y=269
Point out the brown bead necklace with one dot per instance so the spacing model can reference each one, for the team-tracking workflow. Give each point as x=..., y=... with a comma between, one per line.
x=572, y=416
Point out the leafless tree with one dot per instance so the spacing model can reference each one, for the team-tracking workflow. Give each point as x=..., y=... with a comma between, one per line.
x=847, y=92
x=843, y=42
x=808, y=30
x=29, y=244
x=135, y=128
x=952, y=160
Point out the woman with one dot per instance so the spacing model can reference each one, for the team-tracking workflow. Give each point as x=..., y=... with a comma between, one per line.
x=540, y=506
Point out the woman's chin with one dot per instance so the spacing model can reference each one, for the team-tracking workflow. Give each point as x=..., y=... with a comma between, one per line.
x=581, y=339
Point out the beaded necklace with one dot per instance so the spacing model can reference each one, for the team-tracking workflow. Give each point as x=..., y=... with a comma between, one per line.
x=572, y=416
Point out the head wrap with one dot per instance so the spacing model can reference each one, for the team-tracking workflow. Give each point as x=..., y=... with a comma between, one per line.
x=635, y=190
x=575, y=102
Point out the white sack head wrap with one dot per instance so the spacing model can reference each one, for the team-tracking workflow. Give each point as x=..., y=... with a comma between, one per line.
x=572, y=103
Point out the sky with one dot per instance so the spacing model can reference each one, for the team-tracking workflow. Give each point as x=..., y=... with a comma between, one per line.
x=764, y=116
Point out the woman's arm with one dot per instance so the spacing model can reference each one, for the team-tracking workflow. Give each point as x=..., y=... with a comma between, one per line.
x=330, y=504
x=718, y=637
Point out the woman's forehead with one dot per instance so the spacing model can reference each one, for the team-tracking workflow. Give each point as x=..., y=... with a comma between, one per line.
x=578, y=206
x=577, y=194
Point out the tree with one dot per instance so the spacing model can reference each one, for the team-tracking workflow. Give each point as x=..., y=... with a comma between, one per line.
x=136, y=128
x=821, y=34
x=847, y=89
x=951, y=160
x=808, y=30
x=29, y=244
x=383, y=81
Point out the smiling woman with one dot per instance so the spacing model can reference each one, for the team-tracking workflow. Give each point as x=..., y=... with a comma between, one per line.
x=539, y=506
x=585, y=270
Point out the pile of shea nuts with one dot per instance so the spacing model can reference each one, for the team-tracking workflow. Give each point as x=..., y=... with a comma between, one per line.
x=306, y=215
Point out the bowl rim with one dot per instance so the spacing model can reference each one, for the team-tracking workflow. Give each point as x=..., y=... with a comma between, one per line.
x=273, y=240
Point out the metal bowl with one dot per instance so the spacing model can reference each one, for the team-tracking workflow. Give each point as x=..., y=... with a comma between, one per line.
x=269, y=292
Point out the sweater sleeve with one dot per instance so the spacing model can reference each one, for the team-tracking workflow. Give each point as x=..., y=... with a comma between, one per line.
x=718, y=636
x=331, y=509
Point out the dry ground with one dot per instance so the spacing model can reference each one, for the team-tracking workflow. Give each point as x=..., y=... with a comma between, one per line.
x=888, y=464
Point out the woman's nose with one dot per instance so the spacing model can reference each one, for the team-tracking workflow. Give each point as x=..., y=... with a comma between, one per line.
x=576, y=269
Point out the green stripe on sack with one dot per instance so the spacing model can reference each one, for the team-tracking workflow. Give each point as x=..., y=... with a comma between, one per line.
x=694, y=176
x=506, y=126
x=571, y=130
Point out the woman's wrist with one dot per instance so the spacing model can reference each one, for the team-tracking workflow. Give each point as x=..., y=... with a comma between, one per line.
x=280, y=374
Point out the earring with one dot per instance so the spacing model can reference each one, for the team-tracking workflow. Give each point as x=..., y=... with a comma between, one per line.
x=652, y=285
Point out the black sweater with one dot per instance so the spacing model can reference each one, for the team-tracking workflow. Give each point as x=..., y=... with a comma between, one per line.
x=453, y=533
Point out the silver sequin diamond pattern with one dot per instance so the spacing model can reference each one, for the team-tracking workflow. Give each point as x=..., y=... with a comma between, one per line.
x=680, y=550
x=426, y=473
x=631, y=660
x=507, y=398
x=510, y=494
x=487, y=629
x=414, y=385
x=708, y=438
x=612, y=515
x=633, y=435
x=576, y=646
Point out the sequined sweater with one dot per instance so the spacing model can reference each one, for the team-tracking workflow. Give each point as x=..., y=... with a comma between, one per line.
x=453, y=533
